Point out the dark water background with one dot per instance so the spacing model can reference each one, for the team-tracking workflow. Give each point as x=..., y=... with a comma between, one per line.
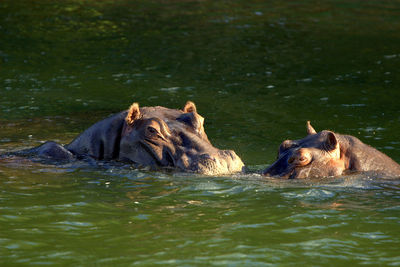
x=257, y=70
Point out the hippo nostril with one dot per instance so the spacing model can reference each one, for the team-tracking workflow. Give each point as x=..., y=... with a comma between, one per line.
x=231, y=154
x=206, y=156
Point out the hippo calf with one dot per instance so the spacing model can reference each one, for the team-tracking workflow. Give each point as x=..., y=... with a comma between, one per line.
x=328, y=154
x=148, y=136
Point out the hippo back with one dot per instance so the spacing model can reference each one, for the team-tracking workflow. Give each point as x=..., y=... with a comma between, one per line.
x=101, y=140
x=362, y=157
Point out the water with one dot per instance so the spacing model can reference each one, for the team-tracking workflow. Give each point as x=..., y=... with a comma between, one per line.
x=256, y=71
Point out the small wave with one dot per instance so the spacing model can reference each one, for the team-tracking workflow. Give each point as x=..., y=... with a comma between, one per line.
x=311, y=195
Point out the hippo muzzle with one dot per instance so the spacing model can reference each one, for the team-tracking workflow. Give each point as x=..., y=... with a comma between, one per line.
x=212, y=162
x=281, y=168
x=222, y=162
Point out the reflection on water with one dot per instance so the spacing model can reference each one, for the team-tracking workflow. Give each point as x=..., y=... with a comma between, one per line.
x=257, y=72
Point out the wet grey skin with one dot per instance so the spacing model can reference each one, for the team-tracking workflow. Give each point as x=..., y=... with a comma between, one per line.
x=157, y=137
x=327, y=153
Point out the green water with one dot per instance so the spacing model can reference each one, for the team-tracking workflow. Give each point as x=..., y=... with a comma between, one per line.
x=257, y=70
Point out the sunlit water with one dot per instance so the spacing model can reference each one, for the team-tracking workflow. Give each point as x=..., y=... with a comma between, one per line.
x=119, y=216
x=257, y=71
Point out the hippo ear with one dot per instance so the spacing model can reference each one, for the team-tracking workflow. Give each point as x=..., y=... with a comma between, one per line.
x=331, y=142
x=133, y=114
x=189, y=107
x=310, y=129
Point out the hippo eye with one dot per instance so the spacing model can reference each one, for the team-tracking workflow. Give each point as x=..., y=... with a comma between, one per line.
x=302, y=159
x=152, y=130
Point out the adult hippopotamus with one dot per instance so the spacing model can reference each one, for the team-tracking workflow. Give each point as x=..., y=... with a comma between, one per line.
x=328, y=154
x=148, y=136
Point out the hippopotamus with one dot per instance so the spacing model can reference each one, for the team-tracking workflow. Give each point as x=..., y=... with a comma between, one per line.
x=329, y=154
x=148, y=136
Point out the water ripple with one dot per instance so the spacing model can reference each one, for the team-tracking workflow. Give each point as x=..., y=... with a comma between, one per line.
x=311, y=195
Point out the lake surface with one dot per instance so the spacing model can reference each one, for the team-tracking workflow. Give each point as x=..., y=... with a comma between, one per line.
x=257, y=71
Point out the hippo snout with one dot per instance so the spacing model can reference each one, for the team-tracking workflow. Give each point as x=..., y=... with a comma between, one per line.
x=279, y=168
x=271, y=171
x=221, y=162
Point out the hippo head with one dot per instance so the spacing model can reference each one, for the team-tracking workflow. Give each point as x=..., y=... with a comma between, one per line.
x=163, y=137
x=316, y=155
